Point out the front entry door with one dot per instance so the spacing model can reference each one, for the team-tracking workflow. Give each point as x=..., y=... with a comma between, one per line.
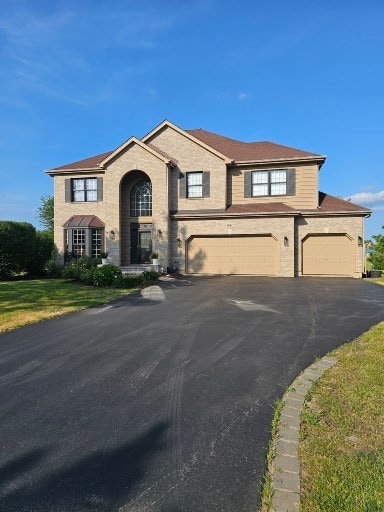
x=141, y=246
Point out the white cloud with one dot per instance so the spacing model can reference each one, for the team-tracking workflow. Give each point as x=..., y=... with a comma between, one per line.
x=370, y=199
x=243, y=96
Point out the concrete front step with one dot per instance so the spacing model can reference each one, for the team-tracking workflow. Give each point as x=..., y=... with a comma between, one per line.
x=135, y=269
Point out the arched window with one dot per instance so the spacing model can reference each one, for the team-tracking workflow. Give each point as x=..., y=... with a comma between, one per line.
x=141, y=199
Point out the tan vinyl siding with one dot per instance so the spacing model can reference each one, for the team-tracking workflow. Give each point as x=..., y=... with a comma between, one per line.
x=306, y=196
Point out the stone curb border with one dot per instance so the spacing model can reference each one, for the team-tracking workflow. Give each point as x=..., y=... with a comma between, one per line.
x=285, y=474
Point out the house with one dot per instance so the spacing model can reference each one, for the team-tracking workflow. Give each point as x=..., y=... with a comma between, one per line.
x=208, y=205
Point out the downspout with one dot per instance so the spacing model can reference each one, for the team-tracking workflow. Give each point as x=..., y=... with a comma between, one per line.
x=363, y=246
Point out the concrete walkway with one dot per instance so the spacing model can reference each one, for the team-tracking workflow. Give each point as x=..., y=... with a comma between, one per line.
x=285, y=466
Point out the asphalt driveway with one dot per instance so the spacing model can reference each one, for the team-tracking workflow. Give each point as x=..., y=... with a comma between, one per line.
x=163, y=402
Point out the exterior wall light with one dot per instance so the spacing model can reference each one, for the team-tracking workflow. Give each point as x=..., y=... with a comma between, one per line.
x=179, y=242
x=286, y=241
x=159, y=233
x=112, y=235
x=360, y=241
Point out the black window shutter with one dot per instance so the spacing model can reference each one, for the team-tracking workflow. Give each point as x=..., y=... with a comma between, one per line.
x=68, y=190
x=182, y=185
x=206, y=179
x=248, y=184
x=291, y=182
x=99, y=189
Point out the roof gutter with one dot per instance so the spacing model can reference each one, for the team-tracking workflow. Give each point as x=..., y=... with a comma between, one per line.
x=320, y=160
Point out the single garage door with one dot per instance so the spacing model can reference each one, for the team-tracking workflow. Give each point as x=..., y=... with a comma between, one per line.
x=232, y=255
x=328, y=255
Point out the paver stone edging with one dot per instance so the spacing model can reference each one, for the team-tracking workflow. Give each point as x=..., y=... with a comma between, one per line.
x=285, y=475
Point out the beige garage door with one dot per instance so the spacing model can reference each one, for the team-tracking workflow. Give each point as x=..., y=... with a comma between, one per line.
x=232, y=255
x=328, y=255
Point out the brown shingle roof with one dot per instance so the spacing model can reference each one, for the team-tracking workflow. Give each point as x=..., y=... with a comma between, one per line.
x=87, y=163
x=233, y=149
x=259, y=208
x=249, y=151
x=84, y=221
x=328, y=203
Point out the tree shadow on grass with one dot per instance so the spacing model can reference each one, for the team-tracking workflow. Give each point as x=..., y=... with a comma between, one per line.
x=101, y=481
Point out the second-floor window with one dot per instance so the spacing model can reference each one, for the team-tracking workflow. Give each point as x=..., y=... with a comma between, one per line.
x=269, y=183
x=79, y=190
x=194, y=184
x=84, y=189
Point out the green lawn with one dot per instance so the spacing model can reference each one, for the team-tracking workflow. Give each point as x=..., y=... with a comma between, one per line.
x=342, y=433
x=27, y=302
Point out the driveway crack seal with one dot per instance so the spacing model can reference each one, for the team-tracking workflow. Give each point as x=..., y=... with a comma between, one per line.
x=285, y=474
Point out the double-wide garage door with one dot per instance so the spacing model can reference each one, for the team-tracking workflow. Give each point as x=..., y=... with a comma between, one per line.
x=328, y=255
x=245, y=254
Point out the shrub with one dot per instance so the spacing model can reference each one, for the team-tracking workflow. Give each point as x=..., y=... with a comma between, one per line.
x=80, y=270
x=86, y=275
x=377, y=256
x=6, y=268
x=105, y=275
x=135, y=281
x=43, y=252
x=86, y=262
x=17, y=248
x=71, y=271
x=151, y=275
x=52, y=269
x=130, y=281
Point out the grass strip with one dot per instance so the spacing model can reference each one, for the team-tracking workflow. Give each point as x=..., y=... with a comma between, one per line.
x=27, y=302
x=266, y=493
x=341, y=446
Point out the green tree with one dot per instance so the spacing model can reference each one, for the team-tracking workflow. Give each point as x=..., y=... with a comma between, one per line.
x=17, y=247
x=377, y=256
x=45, y=213
x=22, y=249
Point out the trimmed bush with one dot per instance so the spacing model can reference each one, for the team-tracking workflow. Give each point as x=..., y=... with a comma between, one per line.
x=105, y=275
x=130, y=281
x=151, y=275
x=135, y=281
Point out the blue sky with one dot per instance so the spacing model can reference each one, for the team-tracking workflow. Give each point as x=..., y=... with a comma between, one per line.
x=80, y=77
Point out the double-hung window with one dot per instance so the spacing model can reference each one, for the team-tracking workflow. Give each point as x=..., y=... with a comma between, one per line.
x=269, y=183
x=194, y=184
x=84, y=189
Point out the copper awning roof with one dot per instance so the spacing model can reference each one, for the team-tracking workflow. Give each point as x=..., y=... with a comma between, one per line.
x=84, y=221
